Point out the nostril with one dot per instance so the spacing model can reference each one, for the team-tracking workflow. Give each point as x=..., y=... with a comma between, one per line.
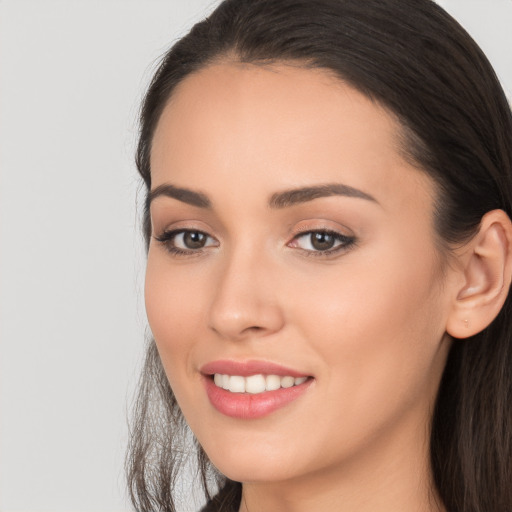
x=236, y=316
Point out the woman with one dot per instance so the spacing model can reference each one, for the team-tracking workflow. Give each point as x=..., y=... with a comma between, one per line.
x=329, y=259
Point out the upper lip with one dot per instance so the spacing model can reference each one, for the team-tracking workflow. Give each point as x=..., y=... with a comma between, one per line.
x=247, y=368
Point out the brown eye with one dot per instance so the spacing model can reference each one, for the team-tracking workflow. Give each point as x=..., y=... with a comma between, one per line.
x=322, y=241
x=186, y=242
x=194, y=239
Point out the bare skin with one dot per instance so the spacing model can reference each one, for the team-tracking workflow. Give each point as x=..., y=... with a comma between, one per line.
x=366, y=318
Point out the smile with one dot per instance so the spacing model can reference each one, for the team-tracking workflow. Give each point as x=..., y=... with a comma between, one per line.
x=256, y=384
x=252, y=389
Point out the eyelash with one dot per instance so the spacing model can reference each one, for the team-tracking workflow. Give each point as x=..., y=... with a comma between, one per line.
x=167, y=240
x=345, y=242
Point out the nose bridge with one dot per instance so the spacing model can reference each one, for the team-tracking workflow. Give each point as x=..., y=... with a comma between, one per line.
x=245, y=300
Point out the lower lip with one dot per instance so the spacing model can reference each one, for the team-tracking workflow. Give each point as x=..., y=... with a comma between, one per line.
x=246, y=406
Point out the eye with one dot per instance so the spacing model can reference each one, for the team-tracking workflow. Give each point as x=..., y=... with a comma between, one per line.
x=186, y=241
x=190, y=240
x=322, y=242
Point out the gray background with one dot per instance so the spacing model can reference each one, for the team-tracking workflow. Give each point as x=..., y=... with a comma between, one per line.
x=71, y=264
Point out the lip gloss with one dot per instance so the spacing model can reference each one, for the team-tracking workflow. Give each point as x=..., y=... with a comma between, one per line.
x=247, y=405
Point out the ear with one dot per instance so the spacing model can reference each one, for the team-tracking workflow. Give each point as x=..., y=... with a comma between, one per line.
x=486, y=270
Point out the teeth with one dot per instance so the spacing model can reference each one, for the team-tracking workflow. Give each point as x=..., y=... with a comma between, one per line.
x=255, y=383
x=287, y=382
x=272, y=382
x=237, y=384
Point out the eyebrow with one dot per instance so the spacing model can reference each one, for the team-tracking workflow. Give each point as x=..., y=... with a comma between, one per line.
x=305, y=194
x=278, y=200
x=184, y=195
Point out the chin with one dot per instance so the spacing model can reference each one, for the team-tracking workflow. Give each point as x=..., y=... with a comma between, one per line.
x=252, y=461
x=259, y=471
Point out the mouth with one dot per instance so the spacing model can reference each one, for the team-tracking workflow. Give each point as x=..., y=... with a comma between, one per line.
x=252, y=389
x=256, y=384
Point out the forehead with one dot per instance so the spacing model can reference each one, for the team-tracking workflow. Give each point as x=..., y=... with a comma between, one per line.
x=278, y=126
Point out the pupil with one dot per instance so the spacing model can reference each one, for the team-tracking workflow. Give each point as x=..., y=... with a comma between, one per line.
x=194, y=240
x=322, y=241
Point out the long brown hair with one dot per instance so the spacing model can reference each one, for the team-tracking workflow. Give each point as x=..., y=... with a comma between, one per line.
x=413, y=58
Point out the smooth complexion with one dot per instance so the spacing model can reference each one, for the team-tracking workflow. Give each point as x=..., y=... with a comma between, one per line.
x=361, y=307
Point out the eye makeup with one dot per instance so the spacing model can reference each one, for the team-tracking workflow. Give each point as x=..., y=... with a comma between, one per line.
x=186, y=242
x=317, y=242
x=322, y=242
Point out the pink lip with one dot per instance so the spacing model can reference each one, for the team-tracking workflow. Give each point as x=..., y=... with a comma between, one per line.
x=245, y=405
x=247, y=368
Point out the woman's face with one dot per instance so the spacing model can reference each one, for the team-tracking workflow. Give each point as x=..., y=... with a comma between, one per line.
x=293, y=248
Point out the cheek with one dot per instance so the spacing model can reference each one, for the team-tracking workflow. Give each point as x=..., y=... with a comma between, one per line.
x=172, y=310
x=375, y=334
x=378, y=325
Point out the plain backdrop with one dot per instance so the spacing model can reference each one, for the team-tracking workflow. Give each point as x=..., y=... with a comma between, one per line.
x=72, y=320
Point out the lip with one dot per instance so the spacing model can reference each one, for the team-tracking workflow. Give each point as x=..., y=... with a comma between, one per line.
x=248, y=368
x=247, y=406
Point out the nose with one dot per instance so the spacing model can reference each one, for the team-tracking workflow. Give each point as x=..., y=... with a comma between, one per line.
x=245, y=301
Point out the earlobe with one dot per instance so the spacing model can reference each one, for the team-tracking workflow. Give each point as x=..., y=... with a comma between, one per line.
x=486, y=265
